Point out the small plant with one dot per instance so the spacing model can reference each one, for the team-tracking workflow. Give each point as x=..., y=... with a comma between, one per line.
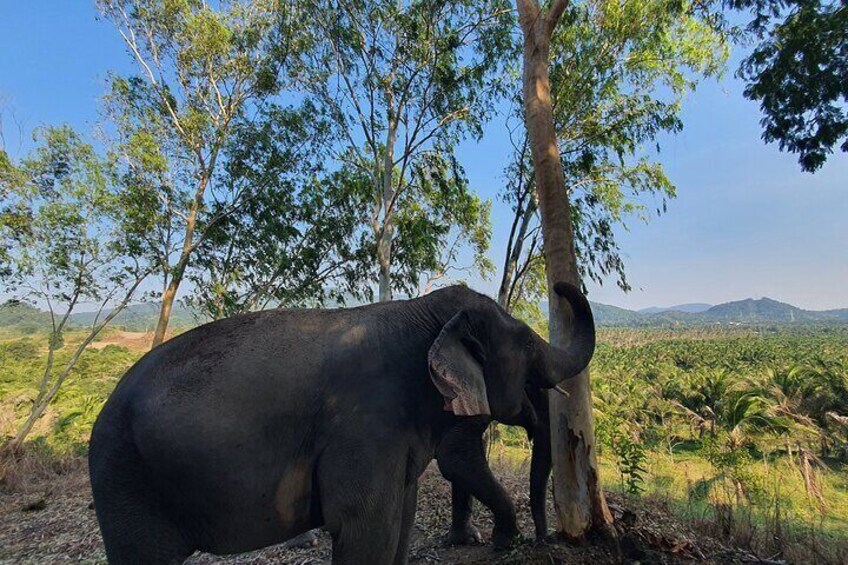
x=631, y=463
x=629, y=452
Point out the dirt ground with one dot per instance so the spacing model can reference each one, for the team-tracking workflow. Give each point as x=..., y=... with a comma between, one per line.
x=134, y=341
x=46, y=516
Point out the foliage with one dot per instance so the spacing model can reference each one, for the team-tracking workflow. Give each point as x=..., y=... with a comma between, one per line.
x=742, y=424
x=202, y=69
x=797, y=74
x=66, y=425
x=68, y=246
x=65, y=225
x=745, y=392
x=404, y=83
x=300, y=218
x=23, y=316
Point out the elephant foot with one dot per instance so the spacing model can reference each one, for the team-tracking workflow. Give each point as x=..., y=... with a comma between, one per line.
x=303, y=541
x=506, y=538
x=543, y=539
x=469, y=535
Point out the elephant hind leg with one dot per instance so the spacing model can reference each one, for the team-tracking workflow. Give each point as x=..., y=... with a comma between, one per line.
x=143, y=538
x=134, y=526
x=363, y=499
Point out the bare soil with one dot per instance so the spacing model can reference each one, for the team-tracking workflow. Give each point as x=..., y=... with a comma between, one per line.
x=46, y=516
x=134, y=341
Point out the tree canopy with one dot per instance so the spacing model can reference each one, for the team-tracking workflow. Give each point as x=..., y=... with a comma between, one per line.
x=404, y=83
x=797, y=72
x=201, y=69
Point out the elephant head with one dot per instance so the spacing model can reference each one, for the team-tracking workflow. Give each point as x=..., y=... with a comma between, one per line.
x=483, y=358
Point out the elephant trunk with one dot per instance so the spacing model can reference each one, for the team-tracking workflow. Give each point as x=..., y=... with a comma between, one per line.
x=541, y=462
x=565, y=363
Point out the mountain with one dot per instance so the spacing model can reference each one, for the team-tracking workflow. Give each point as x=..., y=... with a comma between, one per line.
x=137, y=317
x=613, y=315
x=762, y=310
x=606, y=314
x=142, y=317
x=766, y=310
x=15, y=313
x=690, y=308
x=749, y=311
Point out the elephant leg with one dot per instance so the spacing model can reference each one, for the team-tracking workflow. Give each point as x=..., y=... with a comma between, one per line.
x=410, y=505
x=462, y=460
x=362, y=500
x=136, y=529
x=306, y=539
x=462, y=531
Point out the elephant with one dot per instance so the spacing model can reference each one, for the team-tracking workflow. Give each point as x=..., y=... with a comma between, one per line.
x=462, y=460
x=247, y=431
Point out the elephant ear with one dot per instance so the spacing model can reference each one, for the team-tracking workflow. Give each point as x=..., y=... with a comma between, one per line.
x=455, y=371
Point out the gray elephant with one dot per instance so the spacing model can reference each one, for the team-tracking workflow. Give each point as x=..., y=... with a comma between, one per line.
x=248, y=431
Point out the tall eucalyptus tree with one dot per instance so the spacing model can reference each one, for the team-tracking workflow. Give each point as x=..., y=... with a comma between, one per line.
x=589, y=78
x=405, y=82
x=200, y=69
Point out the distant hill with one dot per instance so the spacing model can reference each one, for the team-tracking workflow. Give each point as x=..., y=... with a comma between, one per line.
x=607, y=315
x=143, y=317
x=691, y=308
x=23, y=316
x=749, y=311
x=771, y=311
x=613, y=315
x=135, y=318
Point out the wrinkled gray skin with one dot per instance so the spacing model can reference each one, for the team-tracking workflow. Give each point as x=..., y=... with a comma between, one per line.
x=462, y=461
x=246, y=432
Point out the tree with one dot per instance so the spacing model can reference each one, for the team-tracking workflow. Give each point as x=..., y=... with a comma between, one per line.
x=618, y=74
x=295, y=239
x=592, y=99
x=62, y=224
x=201, y=70
x=797, y=74
x=578, y=497
x=405, y=82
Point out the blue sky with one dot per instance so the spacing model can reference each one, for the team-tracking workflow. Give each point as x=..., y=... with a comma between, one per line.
x=746, y=223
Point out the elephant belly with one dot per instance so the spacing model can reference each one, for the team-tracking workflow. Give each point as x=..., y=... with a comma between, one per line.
x=234, y=492
x=258, y=517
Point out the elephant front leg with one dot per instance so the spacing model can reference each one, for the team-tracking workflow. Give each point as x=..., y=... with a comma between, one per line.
x=462, y=531
x=540, y=471
x=462, y=460
x=541, y=462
